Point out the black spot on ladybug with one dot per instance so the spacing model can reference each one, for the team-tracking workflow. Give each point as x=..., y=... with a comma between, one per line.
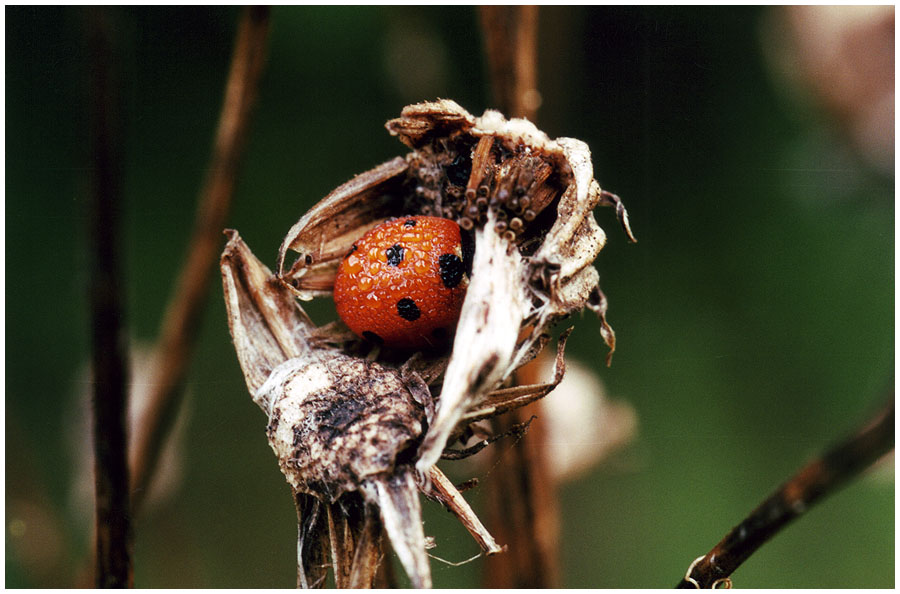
x=409, y=223
x=395, y=254
x=353, y=249
x=372, y=337
x=308, y=259
x=439, y=334
x=452, y=270
x=408, y=309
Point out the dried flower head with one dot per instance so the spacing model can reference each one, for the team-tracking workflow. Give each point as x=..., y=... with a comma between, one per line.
x=358, y=429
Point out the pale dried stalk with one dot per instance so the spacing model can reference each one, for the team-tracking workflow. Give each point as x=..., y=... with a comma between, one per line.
x=445, y=492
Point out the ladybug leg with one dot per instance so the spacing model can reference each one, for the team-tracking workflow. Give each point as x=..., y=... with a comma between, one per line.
x=518, y=431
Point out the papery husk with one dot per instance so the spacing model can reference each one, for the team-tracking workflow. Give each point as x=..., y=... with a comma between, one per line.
x=337, y=424
x=357, y=432
x=510, y=289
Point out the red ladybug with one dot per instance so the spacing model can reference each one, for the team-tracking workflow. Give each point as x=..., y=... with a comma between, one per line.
x=402, y=284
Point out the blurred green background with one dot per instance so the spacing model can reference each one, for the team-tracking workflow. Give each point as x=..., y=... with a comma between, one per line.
x=754, y=316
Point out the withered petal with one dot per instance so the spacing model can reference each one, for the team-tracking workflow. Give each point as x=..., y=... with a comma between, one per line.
x=266, y=323
x=485, y=339
x=507, y=399
x=325, y=233
x=401, y=511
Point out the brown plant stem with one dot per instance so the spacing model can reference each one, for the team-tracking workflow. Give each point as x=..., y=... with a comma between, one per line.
x=180, y=326
x=522, y=497
x=523, y=503
x=113, y=544
x=819, y=478
x=510, y=36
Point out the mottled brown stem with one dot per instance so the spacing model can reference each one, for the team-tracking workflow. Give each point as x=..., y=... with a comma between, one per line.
x=510, y=36
x=523, y=503
x=522, y=496
x=180, y=326
x=819, y=478
x=113, y=567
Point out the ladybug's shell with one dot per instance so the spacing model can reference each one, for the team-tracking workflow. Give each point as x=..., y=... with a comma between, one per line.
x=403, y=283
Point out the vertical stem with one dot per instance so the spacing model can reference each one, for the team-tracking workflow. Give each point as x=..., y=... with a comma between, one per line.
x=109, y=344
x=179, y=330
x=510, y=34
x=523, y=504
x=522, y=496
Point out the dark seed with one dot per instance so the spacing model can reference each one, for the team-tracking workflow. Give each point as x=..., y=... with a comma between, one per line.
x=372, y=337
x=394, y=254
x=308, y=259
x=408, y=309
x=409, y=223
x=468, y=250
x=452, y=270
x=458, y=171
x=353, y=249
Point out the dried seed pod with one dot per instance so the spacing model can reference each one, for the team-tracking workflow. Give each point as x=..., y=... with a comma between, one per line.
x=349, y=428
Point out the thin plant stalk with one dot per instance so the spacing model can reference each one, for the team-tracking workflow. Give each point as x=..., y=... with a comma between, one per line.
x=180, y=326
x=523, y=499
x=113, y=530
x=821, y=477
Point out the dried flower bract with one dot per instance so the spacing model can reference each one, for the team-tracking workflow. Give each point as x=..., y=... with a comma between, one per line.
x=358, y=429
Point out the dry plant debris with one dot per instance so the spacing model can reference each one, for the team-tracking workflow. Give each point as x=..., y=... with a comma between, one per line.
x=358, y=428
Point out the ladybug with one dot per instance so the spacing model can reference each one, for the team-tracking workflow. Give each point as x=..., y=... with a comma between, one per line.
x=402, y=284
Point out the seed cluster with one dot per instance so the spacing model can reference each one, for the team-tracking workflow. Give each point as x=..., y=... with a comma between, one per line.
x=464, y=181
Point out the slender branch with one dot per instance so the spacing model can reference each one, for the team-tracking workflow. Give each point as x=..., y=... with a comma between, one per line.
x=510, y=35
x=522, y=496
x=819, y=478
x=109, y=347
x=179, y=330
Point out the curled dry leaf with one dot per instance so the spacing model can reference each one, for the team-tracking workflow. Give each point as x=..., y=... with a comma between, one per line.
x=358, y=430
